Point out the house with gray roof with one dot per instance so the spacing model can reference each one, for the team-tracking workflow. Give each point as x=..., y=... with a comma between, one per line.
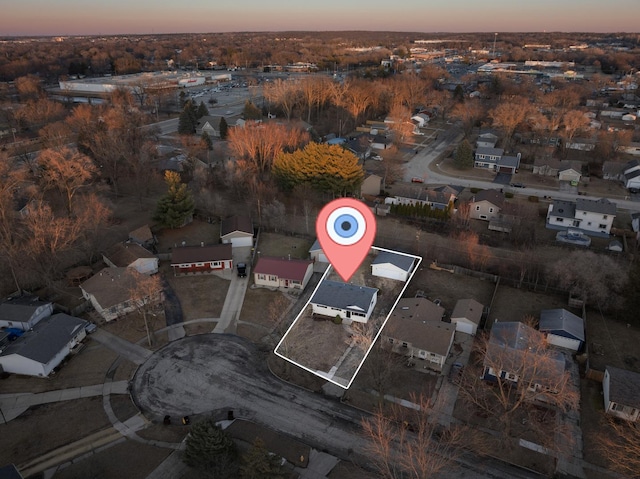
x=467, y=315
x=350, y=301
x=570, y=171
x=621, y=391
x=391, y=265
x=415, y=329
x=486, y=205
x=419, y=196
x=514, y=353
x=208, y=124
x=591, y=217
x=23, y=311
x=494, y=159
x=40, y=350
x=131, y=255
x=562, y=328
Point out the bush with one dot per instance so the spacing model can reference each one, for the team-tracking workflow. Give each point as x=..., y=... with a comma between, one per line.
x=474, y=190
x=337, y=319
x=533, y=199
x=508, y=194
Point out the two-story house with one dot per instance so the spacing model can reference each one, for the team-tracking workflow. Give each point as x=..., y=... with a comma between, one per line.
x=592, y=217
x=494, y=159
x=486, y=205
x=621, y=391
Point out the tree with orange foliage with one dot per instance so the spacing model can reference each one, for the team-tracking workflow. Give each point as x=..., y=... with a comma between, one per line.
x=259, y=143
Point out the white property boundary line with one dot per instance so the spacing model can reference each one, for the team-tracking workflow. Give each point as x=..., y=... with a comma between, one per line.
x=322, y=374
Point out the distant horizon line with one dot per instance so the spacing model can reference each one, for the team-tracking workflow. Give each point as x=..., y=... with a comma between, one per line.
x=100, y=34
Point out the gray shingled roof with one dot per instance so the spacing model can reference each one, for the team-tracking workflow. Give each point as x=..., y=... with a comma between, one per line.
x=345, y=296
x=20, y=308
x=512, y=161
x=562, y=320
x=315, y=246
x=624, y=387
x=405, y=263
x=492, y=196
x=603, y=206
x=201, y=254
x=564, y=209
x=47, y=338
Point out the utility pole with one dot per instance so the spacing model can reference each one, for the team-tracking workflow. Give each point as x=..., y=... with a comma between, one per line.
x=495, y=36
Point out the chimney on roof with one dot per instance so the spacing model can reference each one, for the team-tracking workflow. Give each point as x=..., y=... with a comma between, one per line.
x=202, y=243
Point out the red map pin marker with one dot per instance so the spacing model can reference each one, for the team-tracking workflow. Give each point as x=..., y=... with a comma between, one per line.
x=346, y=229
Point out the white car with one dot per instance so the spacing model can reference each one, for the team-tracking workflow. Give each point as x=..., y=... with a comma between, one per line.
x=375, y=157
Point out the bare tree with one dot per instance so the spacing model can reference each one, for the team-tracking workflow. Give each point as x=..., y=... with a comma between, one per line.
x=525, y=373
x=508, y=116
x=284, y=94
x=67, y=171
x=573, y=121
x=620, y=445
x=404, y=443
x=469, y=113
x=146, y=294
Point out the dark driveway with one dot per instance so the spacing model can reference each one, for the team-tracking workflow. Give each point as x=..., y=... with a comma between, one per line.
x=172, y=308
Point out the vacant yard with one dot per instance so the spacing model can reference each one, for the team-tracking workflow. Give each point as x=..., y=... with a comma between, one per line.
x=281, y=246
x=193, y=234
x=612, y=342
x=513, y=304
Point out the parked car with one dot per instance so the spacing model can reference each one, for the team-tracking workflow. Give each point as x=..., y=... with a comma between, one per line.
x=517, y=185
x=242, y=270
x=417, y=179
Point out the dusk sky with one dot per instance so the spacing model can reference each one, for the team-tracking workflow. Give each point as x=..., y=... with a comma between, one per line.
x=91, y=17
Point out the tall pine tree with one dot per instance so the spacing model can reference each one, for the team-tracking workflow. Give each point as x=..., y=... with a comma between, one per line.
x=224, y=128
x=188, y=119
x=175, y=209
x=211, y=450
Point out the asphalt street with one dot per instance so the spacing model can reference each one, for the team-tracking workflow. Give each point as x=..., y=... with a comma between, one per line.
x=217, y=373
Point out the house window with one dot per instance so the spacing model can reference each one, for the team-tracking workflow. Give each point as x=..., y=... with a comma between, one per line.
x=617, y=407
x=584, y=213
x=405, y=344
x=215, y=264
x=602, y=226
x=490, y=210
x=589, y=223
x=199, y=264
x=422, y=354
x=261, y=276
x=559, y=220
x=604, y=217
x=477, y=208
x=273, y=278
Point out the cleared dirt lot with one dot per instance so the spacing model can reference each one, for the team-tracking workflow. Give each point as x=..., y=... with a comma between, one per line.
x=281, y=246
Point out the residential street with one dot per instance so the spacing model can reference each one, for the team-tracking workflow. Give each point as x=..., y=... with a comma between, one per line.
x=220, y=373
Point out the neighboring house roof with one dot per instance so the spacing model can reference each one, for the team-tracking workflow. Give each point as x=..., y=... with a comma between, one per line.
x=293, y=269
x=123, y=254
x=484, y=150
x=544, y=161
x=111, y=286
x=603, y=206
x=418, y=309
x=200, y=254
x=624, y=387
x=571, y=165
x=469, y=309
x=449, y=189
x=142, y=235
x=432, y=336
x=562, y=320
x=405, y=263
x=211, y=120
x=612, y=168
x=564, y=209
x=236, y=224
x=10, y=472
x=420, y=194
x=315, y=246
x=510, y=342
x=492, y=196
x=344, y=295
x=512, y=161
x=20, y=308
x=632, y=174
x=47, y=338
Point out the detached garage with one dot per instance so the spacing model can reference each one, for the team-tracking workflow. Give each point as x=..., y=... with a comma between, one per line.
x=392, y=266
x=237, y=230
x=467, y=315
x=562, y=328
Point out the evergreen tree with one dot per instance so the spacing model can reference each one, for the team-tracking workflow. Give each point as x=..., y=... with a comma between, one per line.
x=258, y=463
x=328, y=168
x=458, y=94
x=211, y=450
x=223, y=128
x=206, y=140
x=175, y=209
x=251, y=112
x=463, y=157
x=202, y=110
x=188, y=119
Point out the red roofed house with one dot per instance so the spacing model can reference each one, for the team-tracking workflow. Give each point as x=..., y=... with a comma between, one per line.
x=201, y=259
x=282, y=273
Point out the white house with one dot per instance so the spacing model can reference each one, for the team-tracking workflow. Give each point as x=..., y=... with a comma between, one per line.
x=467, y=315
x=486, y=205
x=131, y=255
x=237, y=230
x=392, y=265
x=349, y=301
x=486, y=157
x=208, y=124
x=562, y=328
x=40, y=350
x=486, y=140
x=592, y=217
x=570, y=171
x=621, y=390
x=415, y=329
x=23, y=312
x=282, y=273
x=421, y=119
x=631, y=175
